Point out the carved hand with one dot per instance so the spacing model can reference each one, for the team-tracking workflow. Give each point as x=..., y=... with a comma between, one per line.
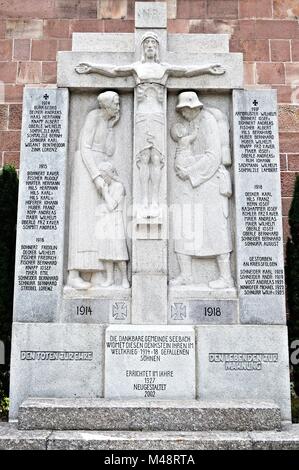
x=113, y=121
x=83, y=68
x=105, y=189
x=99, y=182
x=216, y=69
x=181, y=173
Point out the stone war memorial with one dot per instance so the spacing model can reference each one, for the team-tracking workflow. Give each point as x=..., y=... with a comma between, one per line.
x=149, y=289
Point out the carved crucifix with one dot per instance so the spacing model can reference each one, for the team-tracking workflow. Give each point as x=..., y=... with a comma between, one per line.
x=150, y=76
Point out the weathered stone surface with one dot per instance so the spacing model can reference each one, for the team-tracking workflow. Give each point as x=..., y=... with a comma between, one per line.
x=40, y=236
x=286, y=440
x=149, y=361
x=103, y=42
x=125, y=42
x=246, y=362
x=100, y=305
x=147, y=415
x=260, y=265
x=67, y=77
x=149, y=301
x=149, y=256
x=13, y=439
x=147, y=441
x=55, y=360
x=195, y=43
x=203, y=311
x=150, y=15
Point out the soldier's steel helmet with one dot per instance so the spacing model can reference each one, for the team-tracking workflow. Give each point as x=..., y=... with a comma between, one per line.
x=188, y=99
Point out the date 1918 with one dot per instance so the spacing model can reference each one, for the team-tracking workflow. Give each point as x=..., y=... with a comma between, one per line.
x=212, y=311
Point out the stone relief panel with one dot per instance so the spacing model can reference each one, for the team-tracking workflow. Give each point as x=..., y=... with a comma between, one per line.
x=150, y=75
x=149, y=145
x=100, y=190
x=201, y=220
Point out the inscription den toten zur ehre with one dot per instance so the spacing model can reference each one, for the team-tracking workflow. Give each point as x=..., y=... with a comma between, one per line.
x=149, y=259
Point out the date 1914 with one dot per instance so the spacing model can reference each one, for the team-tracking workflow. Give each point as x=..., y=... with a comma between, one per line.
x=83, y=310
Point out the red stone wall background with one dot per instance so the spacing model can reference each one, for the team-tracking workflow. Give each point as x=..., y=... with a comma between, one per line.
x=266, y=31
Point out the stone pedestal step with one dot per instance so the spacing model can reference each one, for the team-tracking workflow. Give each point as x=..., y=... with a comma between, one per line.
x=140, y=415
x=13, y=439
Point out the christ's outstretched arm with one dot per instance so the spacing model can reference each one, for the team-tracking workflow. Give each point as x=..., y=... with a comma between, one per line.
x=193, y=70
x=107, y=70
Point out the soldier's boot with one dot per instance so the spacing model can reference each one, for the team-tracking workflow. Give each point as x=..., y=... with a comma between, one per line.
x=225, y=280
x=123, y=269
x=185, y=278
x=74, y=280
x=96, y=279
x=110, y=274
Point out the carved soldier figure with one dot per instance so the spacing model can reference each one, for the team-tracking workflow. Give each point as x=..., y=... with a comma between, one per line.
x=96, y=145
x=211, y=187
x=150, y=122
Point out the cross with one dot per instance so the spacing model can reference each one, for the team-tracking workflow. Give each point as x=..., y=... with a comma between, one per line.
x=119, y=310
x=178, y=311
x=255, y=103
x=151, y=63
x=46, y=96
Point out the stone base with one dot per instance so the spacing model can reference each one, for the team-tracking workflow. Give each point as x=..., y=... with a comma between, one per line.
x=96, y=305
x=201, y=291
x=13, y=439
x=145, y=415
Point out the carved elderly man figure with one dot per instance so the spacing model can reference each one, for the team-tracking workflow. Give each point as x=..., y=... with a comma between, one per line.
x=96, y=145
x=210, y=188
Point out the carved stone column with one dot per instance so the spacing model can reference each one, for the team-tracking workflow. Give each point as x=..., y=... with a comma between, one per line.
x=149, y=277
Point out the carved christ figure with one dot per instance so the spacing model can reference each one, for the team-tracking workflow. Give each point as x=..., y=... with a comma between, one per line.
x=150, y=69
x=150, y=77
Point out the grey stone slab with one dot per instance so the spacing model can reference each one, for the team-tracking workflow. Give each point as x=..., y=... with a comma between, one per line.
x=246, y=362
x=118, y=440
x=150, y=15
x=147, y=415
x=149, y=361
x=149, y=298
x=232, y=78
x=285, y=440
x=55, y=360
x=199, y=311
x=97, y=305
x=40, y=229
x=124, y=42
x=13, y=439
x=103, y=42
x=67, y=76
x=86, y=311
x=75, y=414
x=149, y=256
x=259, y=236
x=195, y=43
